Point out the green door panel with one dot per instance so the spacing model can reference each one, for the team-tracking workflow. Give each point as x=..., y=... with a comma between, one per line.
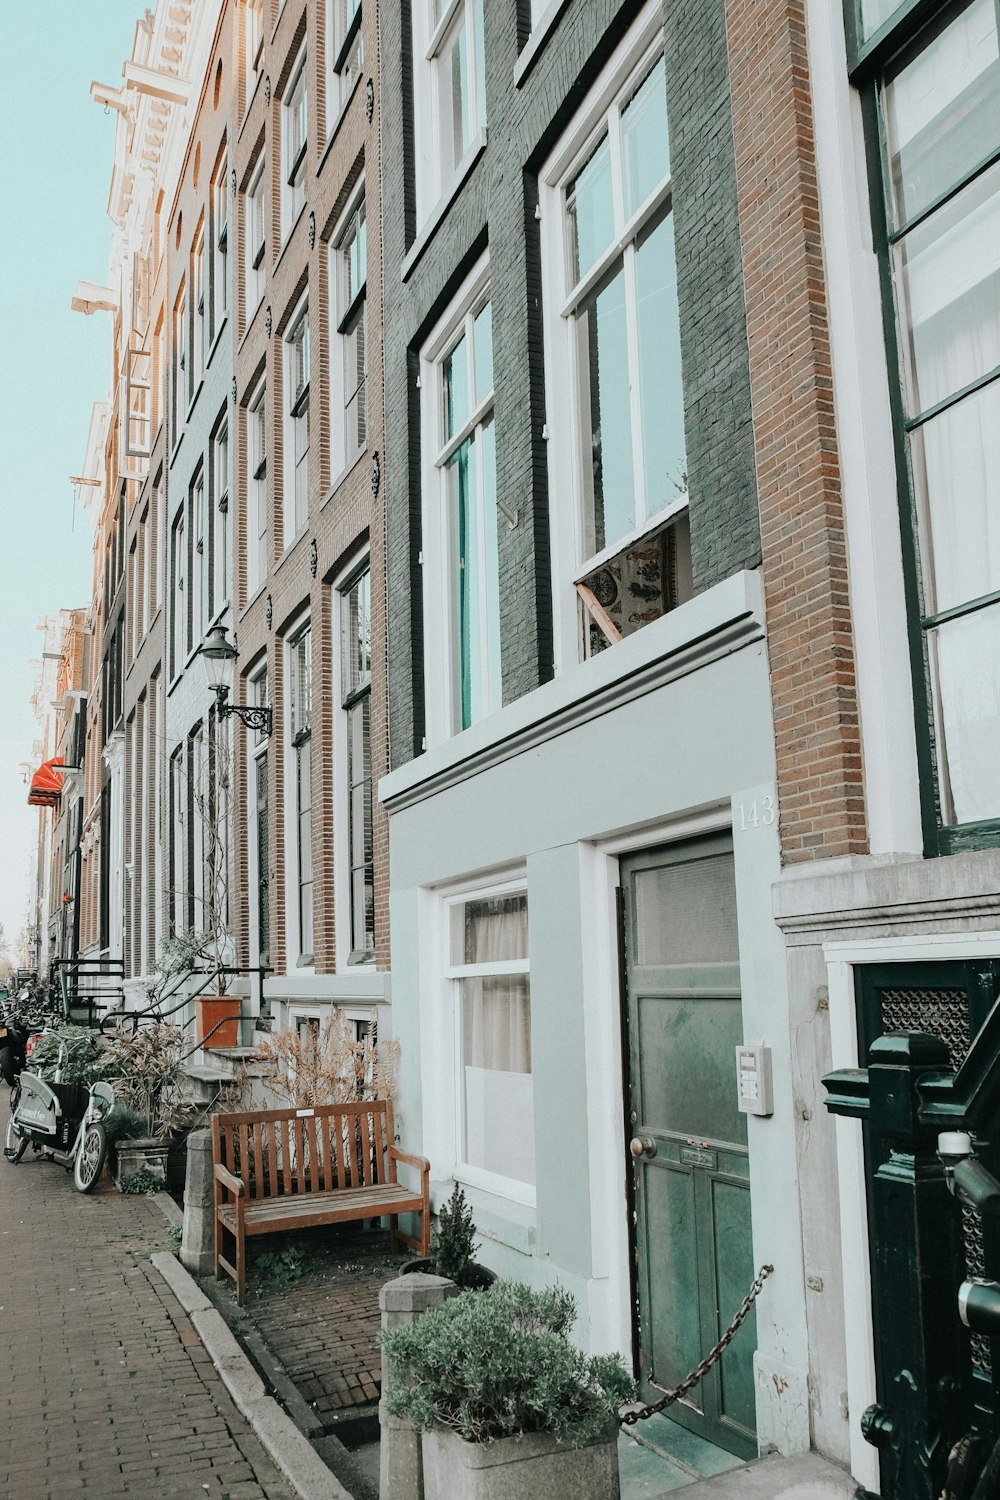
x=693, y=1246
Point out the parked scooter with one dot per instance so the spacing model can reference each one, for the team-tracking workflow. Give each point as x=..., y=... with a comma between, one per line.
x=62, y=1122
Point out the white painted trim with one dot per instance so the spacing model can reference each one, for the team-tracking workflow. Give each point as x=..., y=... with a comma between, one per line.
x=339, y=752
x=865, y=443
x=716, y=623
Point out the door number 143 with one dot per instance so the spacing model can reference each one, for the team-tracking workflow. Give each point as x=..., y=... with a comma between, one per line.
x=760, y=811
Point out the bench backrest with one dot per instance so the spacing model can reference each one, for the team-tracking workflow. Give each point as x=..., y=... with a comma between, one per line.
x=280, y=1152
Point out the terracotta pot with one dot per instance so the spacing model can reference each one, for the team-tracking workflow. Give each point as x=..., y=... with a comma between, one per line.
x=210, y=1010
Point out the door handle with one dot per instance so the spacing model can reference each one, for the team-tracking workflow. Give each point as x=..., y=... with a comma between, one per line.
x=642, y=1145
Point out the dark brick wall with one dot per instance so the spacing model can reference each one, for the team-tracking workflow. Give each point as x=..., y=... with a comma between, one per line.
x=496, y=206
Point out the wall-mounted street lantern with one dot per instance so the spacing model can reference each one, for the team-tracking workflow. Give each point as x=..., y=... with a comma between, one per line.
x=219, y=651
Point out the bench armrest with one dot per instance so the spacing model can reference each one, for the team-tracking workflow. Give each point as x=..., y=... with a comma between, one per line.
x=234, y=1184
x=420, y=1162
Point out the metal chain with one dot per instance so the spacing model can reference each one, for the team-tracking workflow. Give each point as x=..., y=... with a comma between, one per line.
x=640, y=1413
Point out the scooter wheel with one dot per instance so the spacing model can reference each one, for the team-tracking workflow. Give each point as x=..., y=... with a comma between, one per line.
x=14, y=1143
x=89, y=1160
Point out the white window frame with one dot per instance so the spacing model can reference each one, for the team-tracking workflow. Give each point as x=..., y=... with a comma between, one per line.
x=296, y=347
x=256, y=508
x=294, y=146
x=198, y=559
x=222, y=552
x=180, y=360
x=343, y=311
x=345, y=57
x=257, y=747
x=178, y=593
x=442, y=715
x=199, y=313
x=253, y=41
x=442, y=1067
x=434, y=176
x=220, y=246
x=303, y=962
x=254, y=237
x=347, y=958
x=570, y=561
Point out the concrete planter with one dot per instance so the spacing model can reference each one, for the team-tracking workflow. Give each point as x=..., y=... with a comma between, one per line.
x=534, y=1467
x=133, y=1155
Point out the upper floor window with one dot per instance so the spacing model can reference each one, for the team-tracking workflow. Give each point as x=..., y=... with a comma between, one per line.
x=178, y=594
x=621, y=550
x=254, y=239
x=461, y=564
x=221, y=551
x=199, y=348
x=198, y=562
x=220, y=240
x=355, y=801
x=294, y=146
x=346, y=53
x=297, y=424
x=939, y=144
x=256, y=516
x=449, y=91
x=179, y=376
x=300, y=734
x=253, y=37
x=349, y=372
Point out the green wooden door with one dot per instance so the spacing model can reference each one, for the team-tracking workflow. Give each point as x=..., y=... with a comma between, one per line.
x=693, y=1252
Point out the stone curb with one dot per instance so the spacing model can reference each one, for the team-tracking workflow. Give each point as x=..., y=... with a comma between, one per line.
x=293, y=1454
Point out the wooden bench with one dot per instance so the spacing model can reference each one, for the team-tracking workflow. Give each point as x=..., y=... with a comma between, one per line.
x=280, y=1169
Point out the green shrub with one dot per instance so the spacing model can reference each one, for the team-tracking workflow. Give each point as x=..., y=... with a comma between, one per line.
x=500, y=1364
x=453, y=1243
x=280, y=1267
x=143, y=1181
x=126, y=1124
x=86, y=1058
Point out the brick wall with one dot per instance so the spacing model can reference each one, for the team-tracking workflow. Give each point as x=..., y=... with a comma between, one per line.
x=817, y=734
x=496, y=207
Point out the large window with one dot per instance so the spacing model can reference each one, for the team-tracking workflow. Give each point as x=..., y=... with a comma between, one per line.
x=220, y=242
x=220, y=529
x=449, y=91
x=355, y=701
x=253, y=38
x=297, y=424
x=350, y=372
x=198, y=562
x=294, y=145
x=254, y=239
x=258, y=821
x=199, y=348
x=179, y=362
x=621, y=551
x=489, y=969
x=345, y=53
x=256, y=519
x=461, y=580
x=300, y=732
x=178, y=595
x=939, y=101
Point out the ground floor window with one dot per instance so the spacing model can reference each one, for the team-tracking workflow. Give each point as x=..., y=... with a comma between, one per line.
x=493, y=1006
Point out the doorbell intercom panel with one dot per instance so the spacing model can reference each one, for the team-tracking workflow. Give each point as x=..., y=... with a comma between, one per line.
x=753, y=1080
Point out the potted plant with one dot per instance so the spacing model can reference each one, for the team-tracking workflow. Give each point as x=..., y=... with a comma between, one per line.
x=509, y=1407
x=149, y=1112
x=453, y=1247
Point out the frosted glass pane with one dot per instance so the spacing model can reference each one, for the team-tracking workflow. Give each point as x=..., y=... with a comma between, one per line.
x=686, y=913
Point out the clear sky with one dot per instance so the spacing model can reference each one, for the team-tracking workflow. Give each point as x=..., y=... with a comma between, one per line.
x=56, y=152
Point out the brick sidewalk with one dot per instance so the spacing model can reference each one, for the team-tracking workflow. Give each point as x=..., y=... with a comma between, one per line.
x=105, y=1388
x=323, y=1328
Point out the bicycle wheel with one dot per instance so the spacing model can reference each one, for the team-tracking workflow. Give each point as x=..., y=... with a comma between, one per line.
x=15, y=1144
x=90, y=1156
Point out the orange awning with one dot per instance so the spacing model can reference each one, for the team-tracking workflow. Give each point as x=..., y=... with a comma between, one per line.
x=46, y=784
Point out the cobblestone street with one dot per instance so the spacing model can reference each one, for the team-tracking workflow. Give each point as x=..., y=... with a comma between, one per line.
x=105, y=1388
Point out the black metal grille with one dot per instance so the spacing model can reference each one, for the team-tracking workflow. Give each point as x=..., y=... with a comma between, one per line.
x=945, y=1014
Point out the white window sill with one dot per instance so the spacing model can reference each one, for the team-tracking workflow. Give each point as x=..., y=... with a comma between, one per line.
x=432, y=223
x=290, y=548
x=333, y=129
x=251, y=319
x=713, y=624
x=366, y=986
x=289, y=237
x=257, y=594
x=536, y=41
x=217, y=339
x=498, y=1218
